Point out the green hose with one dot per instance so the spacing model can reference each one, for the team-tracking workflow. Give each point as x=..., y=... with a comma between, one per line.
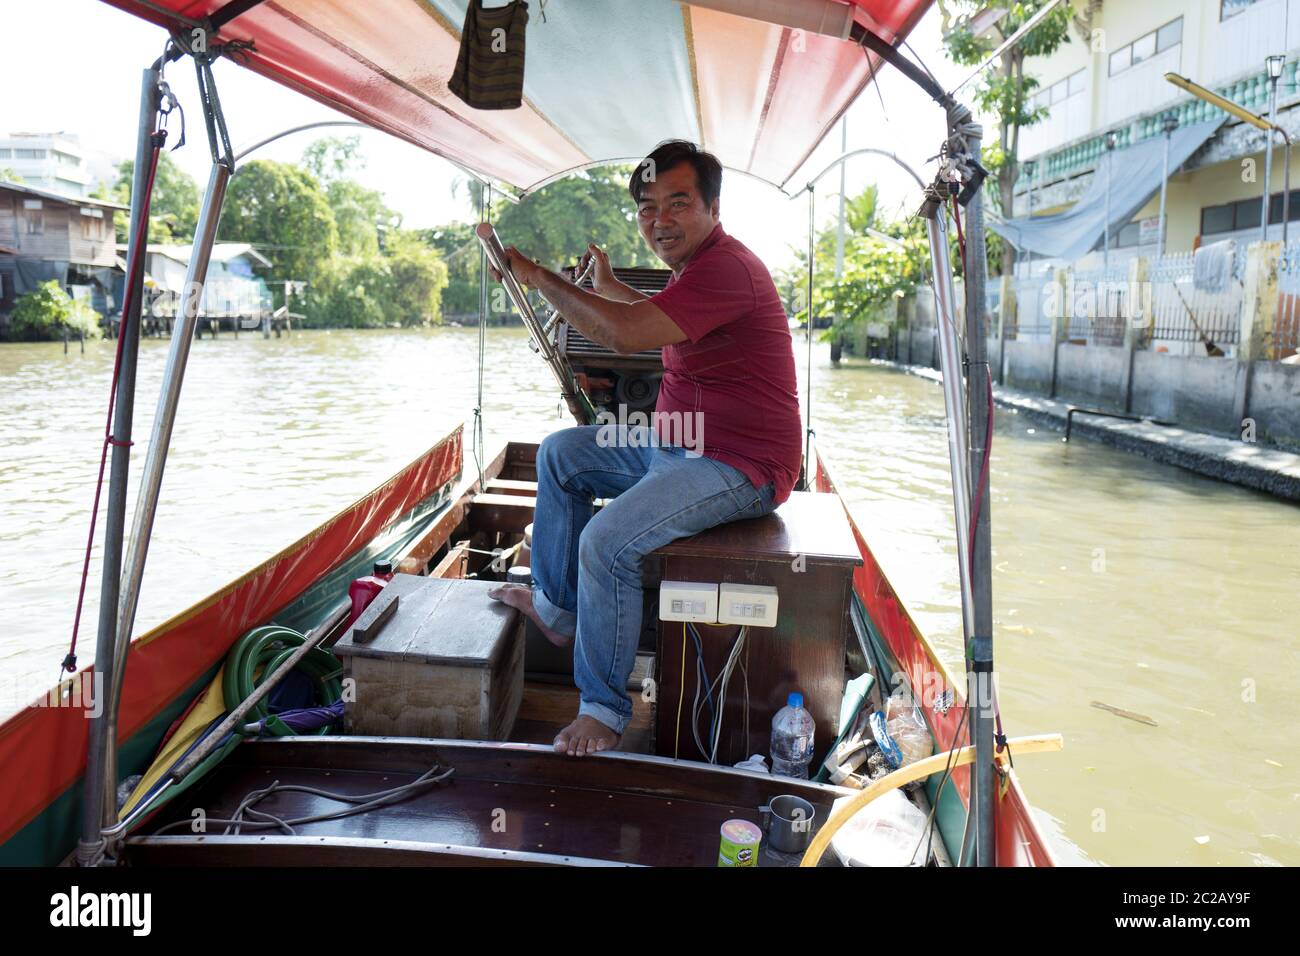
x=260, y=652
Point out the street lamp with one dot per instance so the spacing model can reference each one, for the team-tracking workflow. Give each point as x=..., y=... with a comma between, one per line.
x=1239, y=111
x=1168, y=125
x=1273, y=65
x=1111, y=140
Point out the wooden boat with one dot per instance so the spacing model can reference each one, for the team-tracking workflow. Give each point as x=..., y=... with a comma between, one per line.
x=668, y=811
x=440, y=521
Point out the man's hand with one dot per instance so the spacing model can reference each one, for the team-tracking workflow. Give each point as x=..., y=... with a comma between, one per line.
x=525, y=270
x=602, y=277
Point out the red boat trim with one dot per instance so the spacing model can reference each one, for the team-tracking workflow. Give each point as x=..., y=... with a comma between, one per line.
x=43, y=749
x=1019, y=840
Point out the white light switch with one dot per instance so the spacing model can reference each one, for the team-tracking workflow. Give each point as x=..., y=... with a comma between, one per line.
x=753, y=605
x=688, y=601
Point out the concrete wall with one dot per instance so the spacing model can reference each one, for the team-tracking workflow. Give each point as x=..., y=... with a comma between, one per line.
x=1029, y=366
x=1193, y=391
x=1091, y=375
x=1275, y=403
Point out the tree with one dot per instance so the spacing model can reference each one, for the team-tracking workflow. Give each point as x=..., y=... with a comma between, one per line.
x=332, y=157
x=459, y=249
x=10, y=175
x=283, y=211
x=44, y=313
x=555, y=224
x=173, y=206
x=361, y=217
x=1006, y=89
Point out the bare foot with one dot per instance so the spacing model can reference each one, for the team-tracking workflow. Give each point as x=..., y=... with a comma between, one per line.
x=521, y=598
x=586, y=735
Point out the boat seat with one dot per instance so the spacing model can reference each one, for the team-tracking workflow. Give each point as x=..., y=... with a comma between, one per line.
x=806, y=550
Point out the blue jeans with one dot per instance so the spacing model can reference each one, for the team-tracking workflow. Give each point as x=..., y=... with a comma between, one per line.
x=587, y=569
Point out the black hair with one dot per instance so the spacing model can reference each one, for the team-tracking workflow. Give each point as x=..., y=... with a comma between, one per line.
x=672, y=153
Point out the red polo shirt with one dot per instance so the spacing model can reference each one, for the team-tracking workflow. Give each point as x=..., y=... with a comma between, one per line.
x=736, y=368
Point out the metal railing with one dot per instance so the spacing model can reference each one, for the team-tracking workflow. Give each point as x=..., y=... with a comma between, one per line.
x=1097, y=306
x=1284, y=339
x=1191, y=318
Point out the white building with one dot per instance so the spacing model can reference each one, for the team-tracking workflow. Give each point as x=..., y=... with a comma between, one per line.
x=50, y=161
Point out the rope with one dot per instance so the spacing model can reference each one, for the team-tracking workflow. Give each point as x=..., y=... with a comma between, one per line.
x=141, y=227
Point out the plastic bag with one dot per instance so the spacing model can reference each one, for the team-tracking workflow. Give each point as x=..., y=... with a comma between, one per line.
x=906, y=726
x=889, y=831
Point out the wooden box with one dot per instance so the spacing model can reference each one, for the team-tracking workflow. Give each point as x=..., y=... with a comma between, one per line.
x=806, y=550
x=449, y=663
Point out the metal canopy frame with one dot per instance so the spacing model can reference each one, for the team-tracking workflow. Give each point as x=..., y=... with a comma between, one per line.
x=102, y=835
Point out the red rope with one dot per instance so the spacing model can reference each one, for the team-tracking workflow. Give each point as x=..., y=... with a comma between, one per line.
x=140, y=231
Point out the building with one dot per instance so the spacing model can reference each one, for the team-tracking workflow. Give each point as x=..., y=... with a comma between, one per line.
x=232, y=289
x=44, y=235
x=54, y=162
x=1109, y=79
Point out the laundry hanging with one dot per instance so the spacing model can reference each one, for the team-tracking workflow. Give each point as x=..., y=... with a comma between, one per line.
x=489, y=72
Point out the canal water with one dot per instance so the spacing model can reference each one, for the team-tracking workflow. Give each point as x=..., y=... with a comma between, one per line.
x=1117, y=581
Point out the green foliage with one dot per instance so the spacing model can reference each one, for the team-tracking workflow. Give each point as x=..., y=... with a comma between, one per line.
x=9, y=175
x=1005, y=89
x=459, y=249
x=402, y=287
x=555, y=224
x=331, y=158
x=282, y=210
x=42, y=315
x=173, y=207
x=876, y=272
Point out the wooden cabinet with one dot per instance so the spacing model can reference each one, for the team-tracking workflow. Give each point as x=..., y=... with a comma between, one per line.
x=806, y=550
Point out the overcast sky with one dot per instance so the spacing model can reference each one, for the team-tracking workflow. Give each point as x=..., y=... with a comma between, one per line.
x=74, y=65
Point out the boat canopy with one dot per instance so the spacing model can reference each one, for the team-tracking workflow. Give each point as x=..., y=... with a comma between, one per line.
x=604, y=81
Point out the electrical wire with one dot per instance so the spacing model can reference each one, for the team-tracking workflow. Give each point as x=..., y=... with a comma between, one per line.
x=361, y=803
x=681, y=696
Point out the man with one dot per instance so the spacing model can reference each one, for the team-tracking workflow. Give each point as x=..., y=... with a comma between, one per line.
x=728, y=372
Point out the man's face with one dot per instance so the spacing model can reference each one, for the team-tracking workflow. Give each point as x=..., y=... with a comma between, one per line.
x=673, y=217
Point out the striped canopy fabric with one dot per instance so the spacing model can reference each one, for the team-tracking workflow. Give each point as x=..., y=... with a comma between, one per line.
x=605, y=80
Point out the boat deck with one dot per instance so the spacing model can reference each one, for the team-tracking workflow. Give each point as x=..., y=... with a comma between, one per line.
x=508, y=803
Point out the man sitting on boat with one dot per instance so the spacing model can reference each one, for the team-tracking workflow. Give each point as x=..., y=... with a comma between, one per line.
x=728, y=367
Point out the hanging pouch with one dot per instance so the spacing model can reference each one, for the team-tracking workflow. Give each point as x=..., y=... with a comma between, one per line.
x=489, y=72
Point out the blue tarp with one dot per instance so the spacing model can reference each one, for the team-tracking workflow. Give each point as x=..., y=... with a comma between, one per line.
x=1135, y=177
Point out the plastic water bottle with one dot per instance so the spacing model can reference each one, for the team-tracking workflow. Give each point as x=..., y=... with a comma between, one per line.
x=792, y=739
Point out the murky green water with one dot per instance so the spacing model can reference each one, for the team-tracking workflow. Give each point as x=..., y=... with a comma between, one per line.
x=1117, y=580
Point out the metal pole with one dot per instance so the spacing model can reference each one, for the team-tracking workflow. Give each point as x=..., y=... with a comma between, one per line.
x=1286, y=186
x=1029, y=253
x=99, y=803
x=980, y=649
x=945, y=303
x=1164, y=190
x=812, y=244
x=1105, y=235
x=159, y=441
x=1268, y=169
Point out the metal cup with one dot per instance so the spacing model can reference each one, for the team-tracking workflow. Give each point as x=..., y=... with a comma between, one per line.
x=788, y=822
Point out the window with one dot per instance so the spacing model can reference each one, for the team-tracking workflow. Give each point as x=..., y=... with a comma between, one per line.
x=29, y=154
x=1171, y=34
x=1147, y=46
x=1144, y=48
x=4, y=154
x=1244, y=214
x=1230, y=8
x=35, y=222
x=1058, y=91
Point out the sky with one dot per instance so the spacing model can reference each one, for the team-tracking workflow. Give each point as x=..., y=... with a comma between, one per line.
x=96, y=96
